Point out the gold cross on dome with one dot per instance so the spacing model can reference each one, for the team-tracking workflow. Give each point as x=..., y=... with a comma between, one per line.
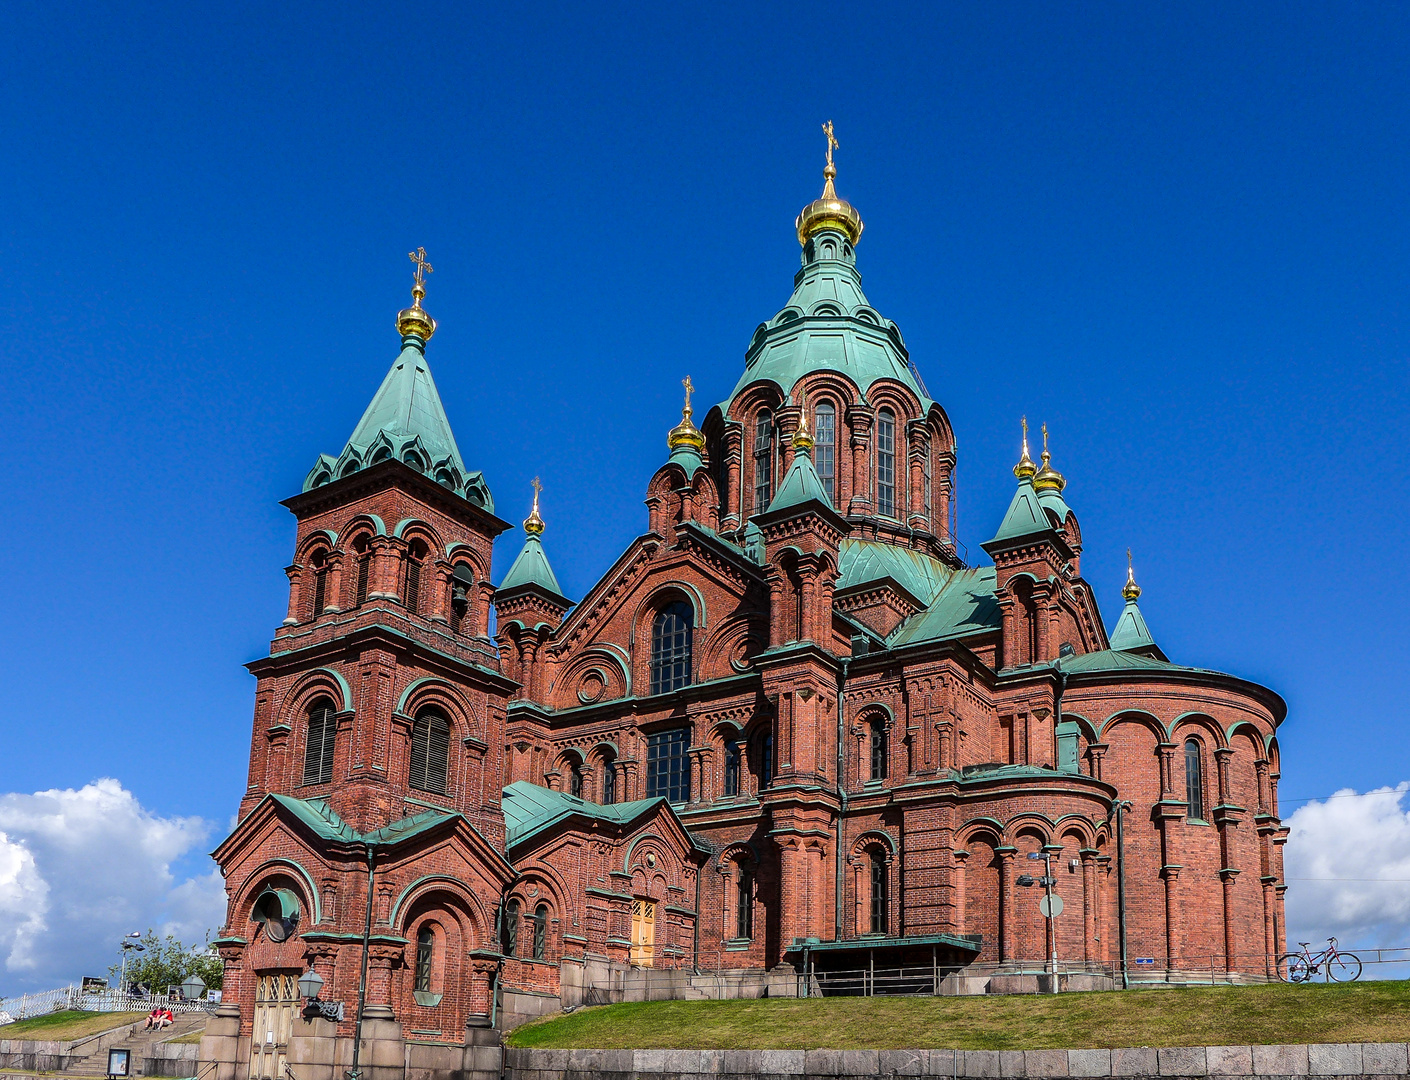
x=1045, y=438
x=689, y=389
x=832, y=143
x=537, y=488
x=422, y=266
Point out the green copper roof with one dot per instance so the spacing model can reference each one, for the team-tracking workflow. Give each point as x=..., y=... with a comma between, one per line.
x=406, y=420
x=531, y=569
x=529, y=809
x=325, y=822
x=1052, y=502
x=1025, y=516
x=827, y=325
x=1117, y=660
x=801, y=484
x=1131, y=631
x=863, y=561
x=965, y=606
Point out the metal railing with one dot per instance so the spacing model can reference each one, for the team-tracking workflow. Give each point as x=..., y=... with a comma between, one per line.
x=42, y=1002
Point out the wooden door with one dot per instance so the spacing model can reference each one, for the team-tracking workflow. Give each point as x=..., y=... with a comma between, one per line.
x=643, y=952
x=276, y=1006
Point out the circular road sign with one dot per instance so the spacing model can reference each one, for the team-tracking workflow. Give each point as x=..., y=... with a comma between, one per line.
x=1050, y=905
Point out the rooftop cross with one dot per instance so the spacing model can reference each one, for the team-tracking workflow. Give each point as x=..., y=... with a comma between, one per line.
x=537, y=488
x=689, y=389
x=422, y=266
x=832, y=143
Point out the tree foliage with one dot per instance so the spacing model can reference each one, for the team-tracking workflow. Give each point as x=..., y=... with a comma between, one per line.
x=167, y=962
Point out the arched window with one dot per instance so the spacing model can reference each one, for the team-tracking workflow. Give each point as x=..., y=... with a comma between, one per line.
x=668, y=765
x=430, y=752
x=825, y=448
x=425, y=950
x=411, y=584
x=1194, y=781
x=364, y=568
x=732, y=756
x=878, y=749
x=318, y=749
x=670, y=648
x=319, y=561
x=462, y=577
x=886, y=463
x=509, y=932
x=540, y=931
x=744, y=905
x=763, y=461
x=382, y=454
x=609, y=782
x=412, y=458
x=878, y=893
x=766, y=760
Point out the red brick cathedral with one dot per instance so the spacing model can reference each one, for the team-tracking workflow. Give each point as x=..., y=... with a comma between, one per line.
x=790, y=741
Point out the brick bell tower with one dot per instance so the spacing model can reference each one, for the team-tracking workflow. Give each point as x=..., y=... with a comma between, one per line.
x=370, y=842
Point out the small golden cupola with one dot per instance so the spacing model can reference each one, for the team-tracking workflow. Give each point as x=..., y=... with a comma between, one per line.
x=686, y=434
x=1130, y=591
x=1025, y=468
x=533, y=524
x=828, y=211
x=413, y=321
x=1047, y=478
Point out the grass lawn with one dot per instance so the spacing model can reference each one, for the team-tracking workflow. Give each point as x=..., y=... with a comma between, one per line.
x=190, y=1036
x=1195, y=1016
x=67, y=1025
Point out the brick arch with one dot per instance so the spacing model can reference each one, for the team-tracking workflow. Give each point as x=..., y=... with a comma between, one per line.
x=1199, y=721
x=404, y=907
x=718, y=654
x=1135, y=716
x=373, y=523
x=830, y=387
x=325, y=538
x=408, y=527
x=431, y=690
x=896, y=396
x=875, y=838
x=979, y=827
x=310, y=900
x=1035, y=825
x=764, y=394
x=459, y=551
x=566, y=682
x=311, y=684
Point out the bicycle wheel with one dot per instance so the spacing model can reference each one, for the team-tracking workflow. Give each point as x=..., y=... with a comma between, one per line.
x=1294, y=968
x=1344, y=967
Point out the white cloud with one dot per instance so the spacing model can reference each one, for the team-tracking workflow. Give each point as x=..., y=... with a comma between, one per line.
x=1347, y=864
x=79, y=868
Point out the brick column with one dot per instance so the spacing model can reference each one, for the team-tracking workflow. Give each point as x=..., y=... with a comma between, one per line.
x=734, y=505
x=381, y=959
x=918, y=448
x=482, y=973
x=382, y=581
x=439, y=609
x=333, y=600
x=294, y=572
x=1089, y=903
x=1228, y=878
x=1006, y=906
x=957, y=886
x=859, y=419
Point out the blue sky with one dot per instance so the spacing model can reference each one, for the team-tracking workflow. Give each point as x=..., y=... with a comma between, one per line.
x=1177, y=233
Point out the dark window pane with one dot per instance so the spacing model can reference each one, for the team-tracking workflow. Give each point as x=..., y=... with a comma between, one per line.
x=320, y=592
x=540, y=931
x=886, y=463
x=364, y=564
x=609, y=783
x=744, y=907
x=668, y=766
x=430, y=752
x=318, y=752
x=878, y=750
x=1194, y=781
x=425, y=946
x=671, y=648
x=732, y=756
x=766, y=760
x=878, y=893
x=413, y=586
x=825, y=449
x=763, y=462
x=510, y=931
x=576, y=790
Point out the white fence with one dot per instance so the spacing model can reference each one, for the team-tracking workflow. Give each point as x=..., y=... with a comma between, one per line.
x=73, y=997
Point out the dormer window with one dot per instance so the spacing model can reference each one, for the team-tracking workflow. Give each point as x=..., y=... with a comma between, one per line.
x=886, y=463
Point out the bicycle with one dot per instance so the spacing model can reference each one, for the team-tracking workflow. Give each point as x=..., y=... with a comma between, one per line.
x=1299, y=967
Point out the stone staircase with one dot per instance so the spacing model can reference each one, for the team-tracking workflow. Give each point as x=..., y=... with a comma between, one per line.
x=140, y=1041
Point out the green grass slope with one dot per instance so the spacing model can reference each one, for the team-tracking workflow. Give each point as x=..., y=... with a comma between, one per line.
x=1196, y=1016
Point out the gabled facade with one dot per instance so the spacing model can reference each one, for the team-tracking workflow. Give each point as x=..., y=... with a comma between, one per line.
x=789, y=730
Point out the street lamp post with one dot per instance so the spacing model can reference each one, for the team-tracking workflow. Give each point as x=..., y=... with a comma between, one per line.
x=1048, y=882
x=127, y=944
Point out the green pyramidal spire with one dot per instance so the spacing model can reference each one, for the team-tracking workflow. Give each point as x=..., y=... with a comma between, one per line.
x=530, y=570
x=1131, y=633
x=405, y=419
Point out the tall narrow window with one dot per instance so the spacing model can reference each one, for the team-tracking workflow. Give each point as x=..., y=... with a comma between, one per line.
x=732, y=756
x=462, y=578
x=766, y=760
x=886, y=463
x=364, y=567
x=1194, y=781
x=430, y=752
x=575, y=780
x=425, y=949
x=320, y=584
x=509, y=932
x=540, y=931
x=411, y=595
x=763, y=461
x=668, y=766
x=671, y=648
x=878, y=893
x=744, y=905
x=318, y=751
x=825, y=449
x=609, y=782
x=878, y=749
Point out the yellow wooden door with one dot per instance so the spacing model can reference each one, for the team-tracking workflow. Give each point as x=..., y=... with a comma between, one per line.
x=643, y=952
x=276, y=1005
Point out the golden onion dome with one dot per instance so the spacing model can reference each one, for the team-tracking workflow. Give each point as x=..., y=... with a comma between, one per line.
x=1025, y=468
x=686, y=433
x=1047, y=478
x=803, y=438
x=533, y=524
x=828, y=211
x=1130, y=590
x=414, y=321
